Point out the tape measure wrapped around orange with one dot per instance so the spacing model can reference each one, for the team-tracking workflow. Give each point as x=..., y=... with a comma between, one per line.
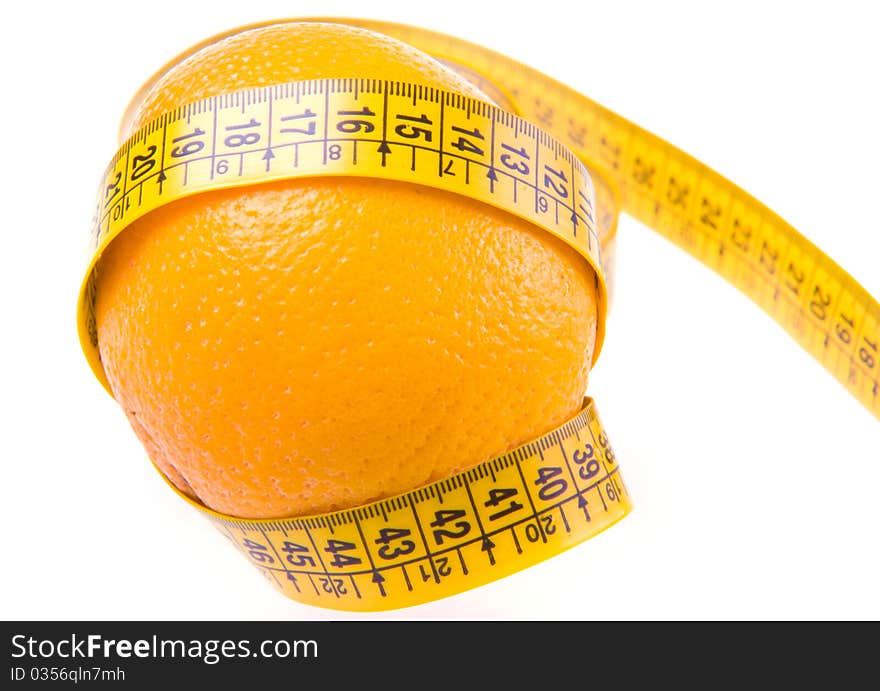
x=344, y=281
x=239, y=328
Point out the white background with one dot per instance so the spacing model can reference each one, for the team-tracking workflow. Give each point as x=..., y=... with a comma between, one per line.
x=755, y=475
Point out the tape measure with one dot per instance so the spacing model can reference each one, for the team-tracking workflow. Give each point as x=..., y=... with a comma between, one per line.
x=546, y=154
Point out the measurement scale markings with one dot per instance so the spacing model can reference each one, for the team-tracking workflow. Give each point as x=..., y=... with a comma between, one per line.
x=428, y=552
x=373, y=569
x=532, y=519
x=794, y=243
x=320, y=559
x=215, y=106
x=202, y=186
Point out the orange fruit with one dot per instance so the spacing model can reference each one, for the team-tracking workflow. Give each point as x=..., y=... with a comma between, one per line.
x=314, y=344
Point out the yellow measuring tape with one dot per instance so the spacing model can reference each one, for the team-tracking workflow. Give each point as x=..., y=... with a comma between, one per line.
x=547, y=154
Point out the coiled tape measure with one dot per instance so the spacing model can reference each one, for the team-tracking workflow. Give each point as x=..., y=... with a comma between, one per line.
x=547, y=154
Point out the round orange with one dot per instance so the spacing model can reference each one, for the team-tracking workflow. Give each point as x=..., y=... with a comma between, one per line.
x=313, y=344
